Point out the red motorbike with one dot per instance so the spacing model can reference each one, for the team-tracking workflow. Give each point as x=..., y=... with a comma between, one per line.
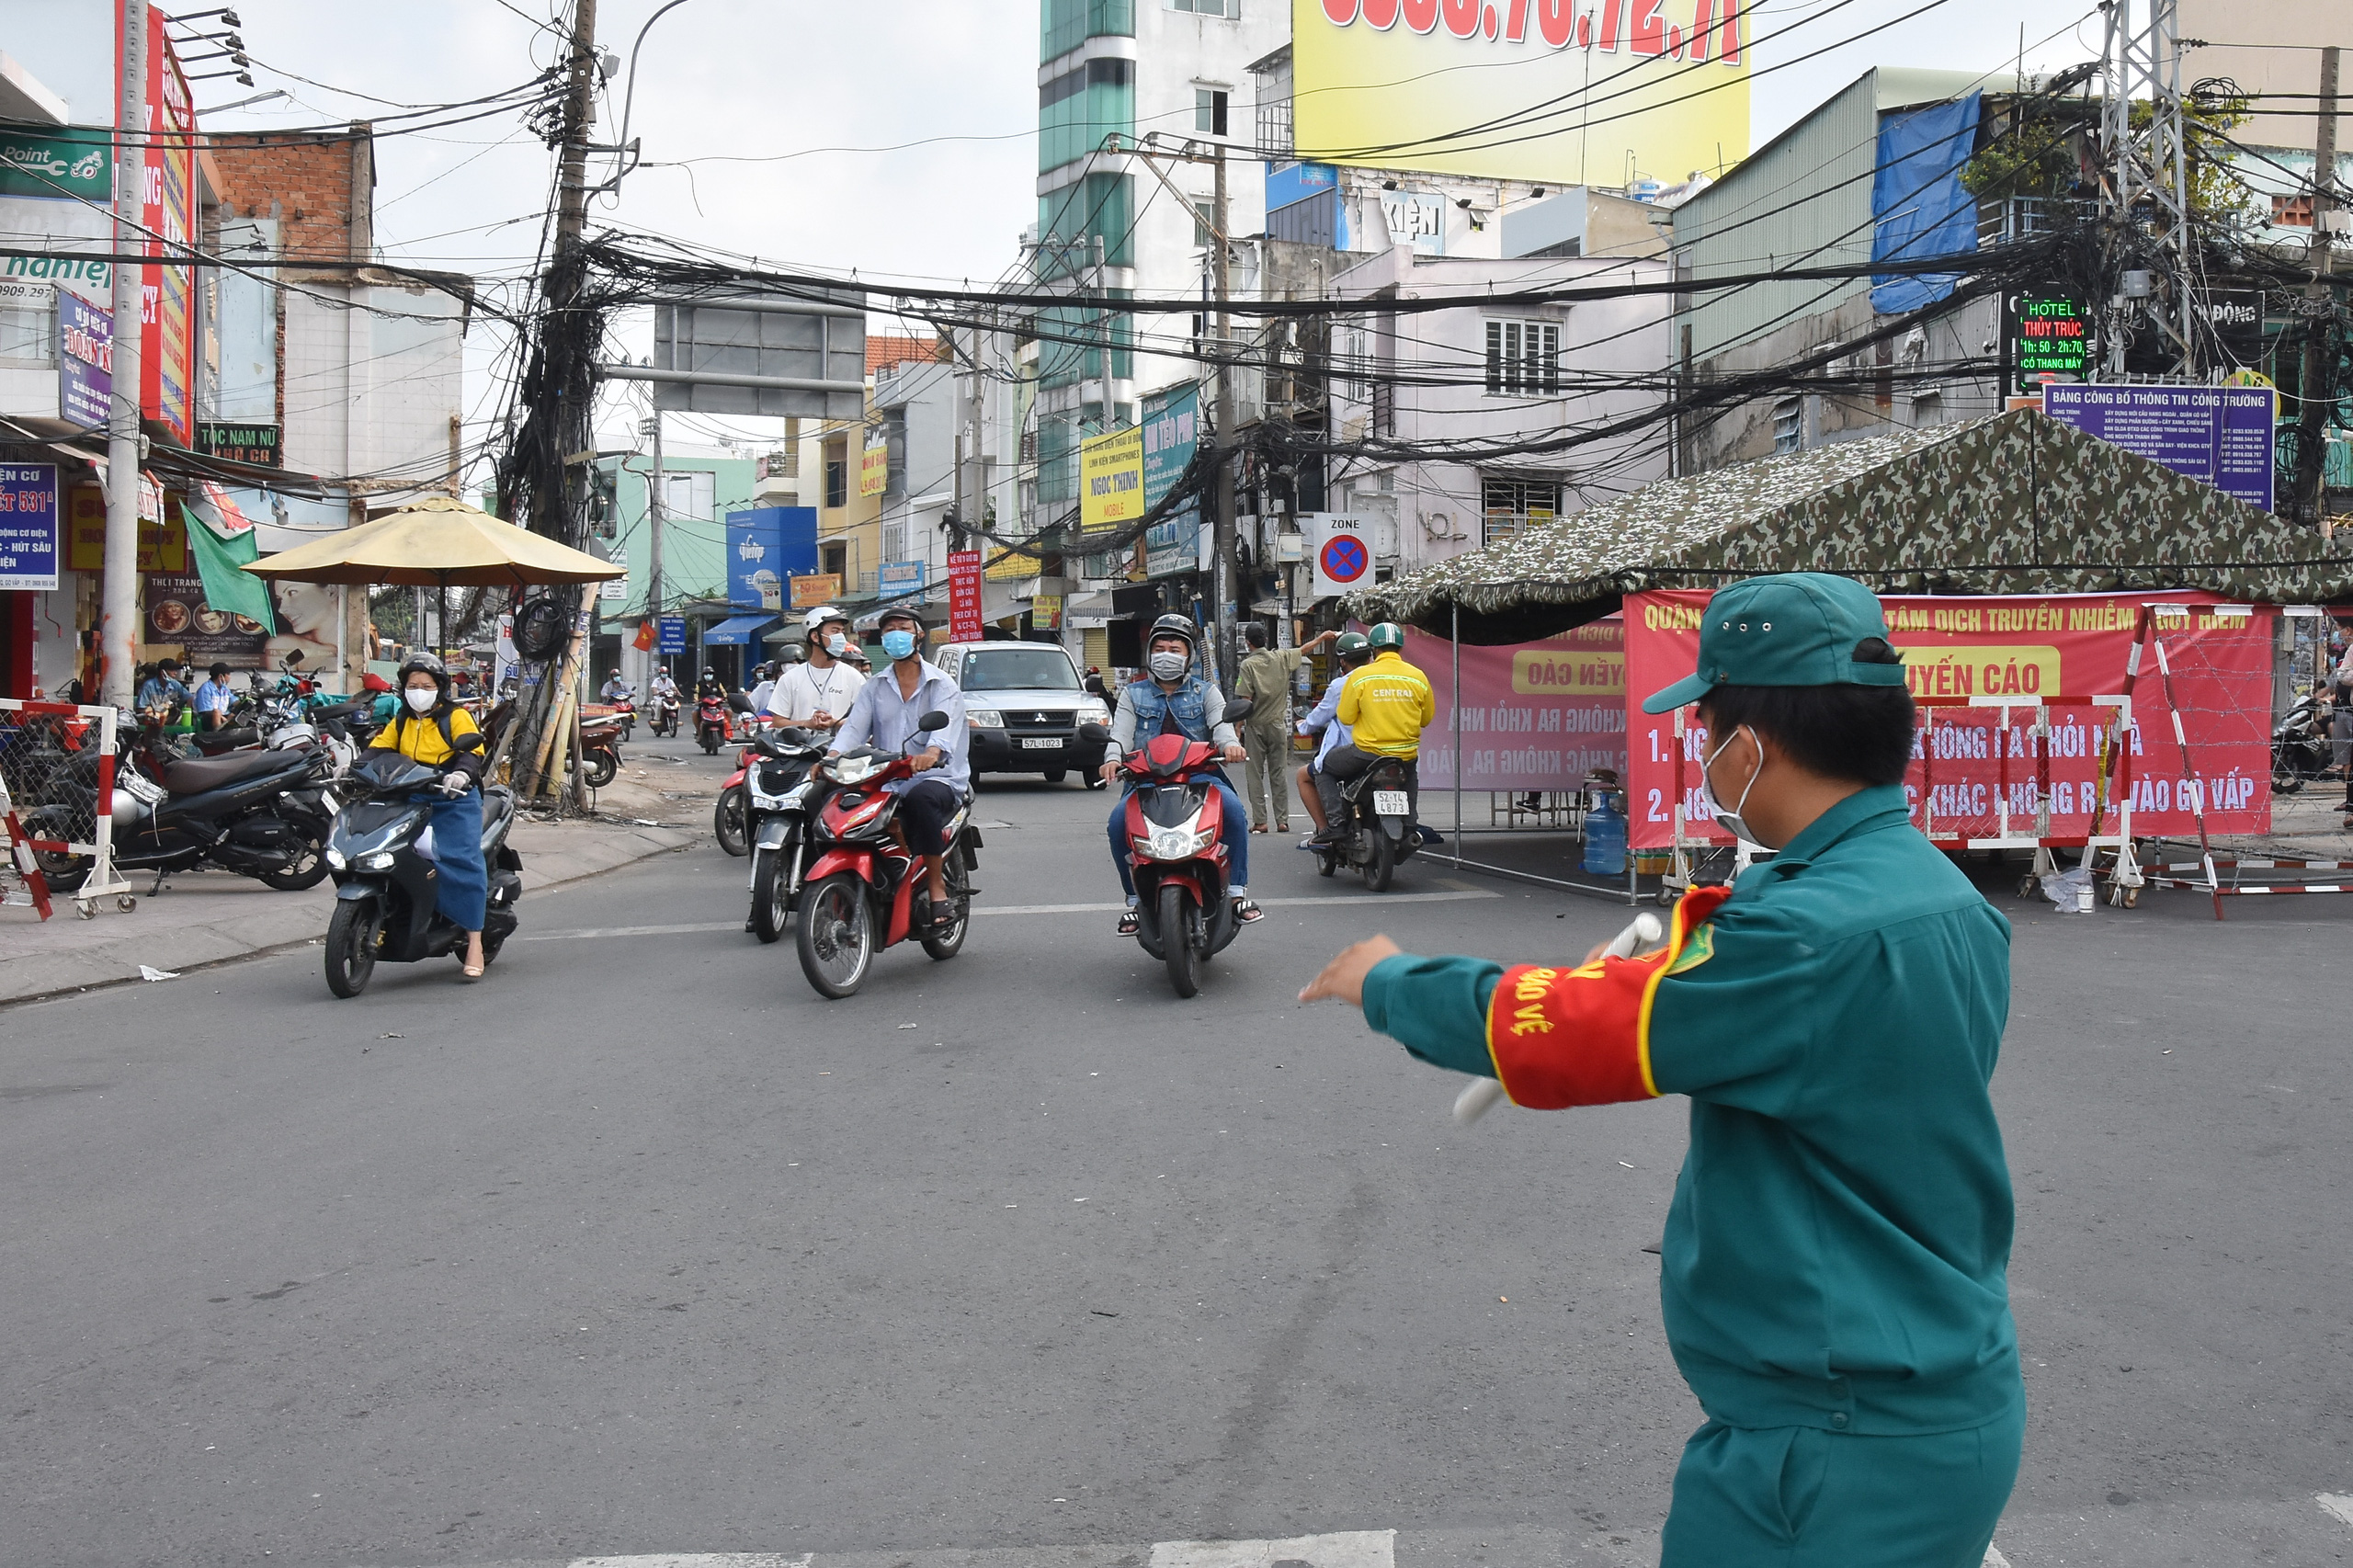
x=731, y=818
x=1175, y=832
x=864, y=890
x=712, y=723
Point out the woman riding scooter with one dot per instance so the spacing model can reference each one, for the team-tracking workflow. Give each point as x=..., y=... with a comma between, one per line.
x=427, y=731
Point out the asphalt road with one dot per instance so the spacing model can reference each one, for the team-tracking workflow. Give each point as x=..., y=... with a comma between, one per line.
x=640, y=1247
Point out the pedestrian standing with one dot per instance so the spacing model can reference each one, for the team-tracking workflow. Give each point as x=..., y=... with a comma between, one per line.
x=1265, y=679
x=1834, y=1268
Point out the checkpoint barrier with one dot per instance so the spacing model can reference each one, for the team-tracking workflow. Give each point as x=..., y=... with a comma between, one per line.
x=57, y=784
x=2021, y=742
x=2204, y=874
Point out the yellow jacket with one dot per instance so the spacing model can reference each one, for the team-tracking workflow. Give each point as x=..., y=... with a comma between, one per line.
x=1387, y=704
x=419, y=738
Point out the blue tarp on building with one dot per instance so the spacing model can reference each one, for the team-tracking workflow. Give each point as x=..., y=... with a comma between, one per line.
x=1918, y=206
x=736, y=631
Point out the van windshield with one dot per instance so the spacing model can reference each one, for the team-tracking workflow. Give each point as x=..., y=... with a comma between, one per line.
x=1018, y=669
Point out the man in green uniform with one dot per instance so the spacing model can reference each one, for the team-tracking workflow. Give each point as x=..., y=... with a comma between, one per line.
x=1265, y=678
x=1834, y=1273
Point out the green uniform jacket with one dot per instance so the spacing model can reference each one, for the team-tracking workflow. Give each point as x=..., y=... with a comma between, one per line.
x=1837, y=1249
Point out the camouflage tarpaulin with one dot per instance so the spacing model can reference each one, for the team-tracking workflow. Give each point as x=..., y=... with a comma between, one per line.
x=2012, y=503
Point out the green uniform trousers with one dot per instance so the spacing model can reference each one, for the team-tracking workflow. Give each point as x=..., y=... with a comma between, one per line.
x=1801, y=1497
x=1268, y=778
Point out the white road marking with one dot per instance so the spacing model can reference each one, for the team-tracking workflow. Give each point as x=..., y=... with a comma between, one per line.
x=700, y=1560
x=2337, y=1505
x=1994, y=1559
x=1345, y=1549
x=698, y=927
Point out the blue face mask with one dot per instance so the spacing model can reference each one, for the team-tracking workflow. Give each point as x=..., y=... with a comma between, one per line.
x=898, y=643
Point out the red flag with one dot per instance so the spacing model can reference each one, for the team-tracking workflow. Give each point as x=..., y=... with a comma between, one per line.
x=644, y=641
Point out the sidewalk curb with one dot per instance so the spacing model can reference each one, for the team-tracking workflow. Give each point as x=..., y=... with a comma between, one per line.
x=299, y=920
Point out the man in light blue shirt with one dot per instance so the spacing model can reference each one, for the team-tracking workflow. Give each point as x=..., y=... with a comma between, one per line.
x=1323, y=719
x=884, y=714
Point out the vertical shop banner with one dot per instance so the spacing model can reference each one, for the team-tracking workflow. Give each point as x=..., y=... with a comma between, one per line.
x=964, y=596
x=1966, y=658
x=1110, y=480
x=1172, y=434
x=874, y=467
x=85, y=361
x=167, y=357
x=31, y=537
x=1535, y=715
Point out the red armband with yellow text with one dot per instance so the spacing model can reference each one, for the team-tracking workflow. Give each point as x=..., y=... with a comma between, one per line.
x=1568, y=1037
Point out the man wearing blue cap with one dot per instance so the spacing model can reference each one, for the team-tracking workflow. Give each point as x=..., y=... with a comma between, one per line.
x=1834, y=1273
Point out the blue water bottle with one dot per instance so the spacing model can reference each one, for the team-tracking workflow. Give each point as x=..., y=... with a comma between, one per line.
x=1605, y=836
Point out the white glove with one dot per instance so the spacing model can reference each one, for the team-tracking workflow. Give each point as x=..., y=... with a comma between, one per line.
x=455, y=783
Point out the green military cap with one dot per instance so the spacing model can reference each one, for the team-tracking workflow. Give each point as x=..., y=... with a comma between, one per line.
x=1795, y=629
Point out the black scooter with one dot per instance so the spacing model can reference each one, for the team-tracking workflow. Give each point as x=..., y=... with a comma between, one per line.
x=1375, y=824
x=384, y=908
x=263, y=815
x=777, y=791
x=2301, y=751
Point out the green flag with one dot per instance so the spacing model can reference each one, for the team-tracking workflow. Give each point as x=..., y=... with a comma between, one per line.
x=225, y=587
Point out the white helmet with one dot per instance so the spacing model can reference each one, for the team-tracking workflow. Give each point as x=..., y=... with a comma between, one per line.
x=817, y=618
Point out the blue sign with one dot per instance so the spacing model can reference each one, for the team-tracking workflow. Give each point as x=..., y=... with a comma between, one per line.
x=766, y=546
x=1287, y=185
x=670, y=634
x=28, y=545
x=2219, y=435
x=85, y=361
x=1172, y=431
x=900, y=577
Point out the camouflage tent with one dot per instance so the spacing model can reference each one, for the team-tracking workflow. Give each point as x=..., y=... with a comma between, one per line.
x=2012, y=503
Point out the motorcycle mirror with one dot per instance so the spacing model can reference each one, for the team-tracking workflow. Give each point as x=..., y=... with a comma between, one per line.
x=1237, y=709
x=935, y=719
x=1094, y=735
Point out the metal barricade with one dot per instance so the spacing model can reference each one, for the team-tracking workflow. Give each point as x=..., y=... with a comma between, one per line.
x=57, y=783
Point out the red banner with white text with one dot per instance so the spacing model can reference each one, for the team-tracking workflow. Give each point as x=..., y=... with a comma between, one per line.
x=1535, y=715
x=1966, y=657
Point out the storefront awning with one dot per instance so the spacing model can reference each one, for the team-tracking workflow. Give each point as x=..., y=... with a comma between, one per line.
x=736, y=632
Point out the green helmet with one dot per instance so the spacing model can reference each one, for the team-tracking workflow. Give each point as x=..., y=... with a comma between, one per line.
x=1388, y=634
x=1352, y=647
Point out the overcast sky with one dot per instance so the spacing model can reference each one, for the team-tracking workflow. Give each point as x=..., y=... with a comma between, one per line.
x=767, y=127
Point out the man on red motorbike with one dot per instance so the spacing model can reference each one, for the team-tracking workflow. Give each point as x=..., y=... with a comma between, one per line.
x=883, y=714
x=1173, y=698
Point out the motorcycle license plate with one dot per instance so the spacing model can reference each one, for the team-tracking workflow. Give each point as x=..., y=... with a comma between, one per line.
x=1389, y=802
x=1041, y=743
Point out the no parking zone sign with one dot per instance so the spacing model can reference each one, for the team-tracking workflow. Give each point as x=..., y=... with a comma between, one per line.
x=1340, y=548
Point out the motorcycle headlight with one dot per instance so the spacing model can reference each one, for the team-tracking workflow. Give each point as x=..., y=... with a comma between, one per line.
x=335, y=859
x=381, y=860
x=1172, y=844
x=984, y=719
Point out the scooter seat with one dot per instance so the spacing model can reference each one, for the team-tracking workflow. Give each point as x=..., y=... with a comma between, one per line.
x=498, y=815
x=212, y=741
x=198, y=775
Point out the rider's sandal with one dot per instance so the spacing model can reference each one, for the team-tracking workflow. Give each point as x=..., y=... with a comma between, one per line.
x=1246, y=911
x=470, y=971
x=1128, y=923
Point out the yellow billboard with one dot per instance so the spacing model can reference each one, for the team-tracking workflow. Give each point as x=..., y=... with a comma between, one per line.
x=1111, y=479
x=1558, y=92
x=874, y=469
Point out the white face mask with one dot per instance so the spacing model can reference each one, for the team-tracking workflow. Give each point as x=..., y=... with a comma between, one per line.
x=421, y=698
x=1168, y=667
x=1730, y=819
x=836, y=644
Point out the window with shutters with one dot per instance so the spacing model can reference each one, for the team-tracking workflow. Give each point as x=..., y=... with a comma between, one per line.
x=1788, y=426
x=1524, y=358
x=1513, y=504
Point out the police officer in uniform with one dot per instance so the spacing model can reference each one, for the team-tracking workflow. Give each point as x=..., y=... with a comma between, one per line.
x=1834, y=1265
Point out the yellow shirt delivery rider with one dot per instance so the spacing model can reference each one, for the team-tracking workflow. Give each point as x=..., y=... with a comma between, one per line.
x=431, y=729
x=1835, y=1265
x=1386, y=705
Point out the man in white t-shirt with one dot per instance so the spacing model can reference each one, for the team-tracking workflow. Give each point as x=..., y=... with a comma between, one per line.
x=816, y=695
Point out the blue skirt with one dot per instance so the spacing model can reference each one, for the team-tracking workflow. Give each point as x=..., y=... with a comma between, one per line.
x=462, y=889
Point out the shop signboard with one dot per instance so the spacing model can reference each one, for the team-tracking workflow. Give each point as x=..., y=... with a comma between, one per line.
x=1567, y=90
x=2049, y=338
x=246, y=442
x=2219, y=435
x=874, y=467
x=28, y=527
x=61, y=164
x=816, y=588
x=964, y=596
x=670, y=634
x=900, y=577
x=85, y=361
x=167, y=360
x=162, y=547
x=178, y=616
x=1172, y=433
x=1046, y=613
x=1110, y=480
x=766, y=545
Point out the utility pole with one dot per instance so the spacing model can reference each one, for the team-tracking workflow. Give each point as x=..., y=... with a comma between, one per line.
x=2317, y=392
x=654, y=509
x=119, y=581
x=1228, y=450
